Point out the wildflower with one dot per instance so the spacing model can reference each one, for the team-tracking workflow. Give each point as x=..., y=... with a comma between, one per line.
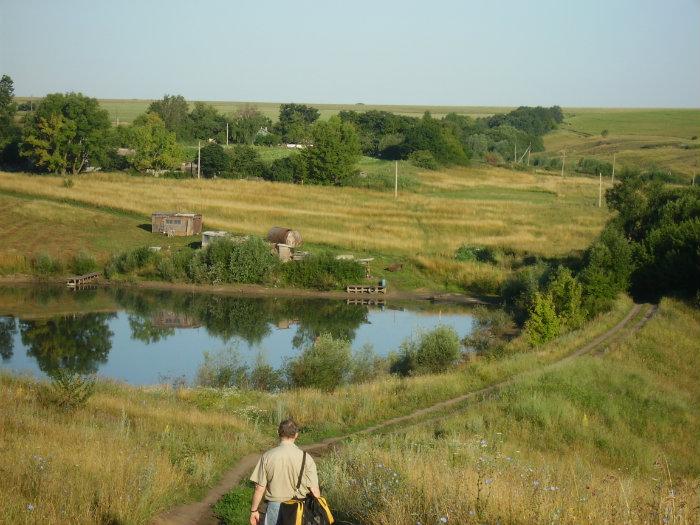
x=443, y=519
x=483, y=443
x=30, y=507
x=472, y=513
x=488, y=481
x=536, y=483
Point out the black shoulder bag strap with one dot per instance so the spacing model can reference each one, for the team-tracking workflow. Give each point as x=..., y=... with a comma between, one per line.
x=301, y=472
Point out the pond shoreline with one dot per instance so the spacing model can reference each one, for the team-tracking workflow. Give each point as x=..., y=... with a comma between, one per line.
x=252, y=290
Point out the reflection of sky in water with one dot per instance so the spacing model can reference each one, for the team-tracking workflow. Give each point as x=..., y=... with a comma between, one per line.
x=180, y=354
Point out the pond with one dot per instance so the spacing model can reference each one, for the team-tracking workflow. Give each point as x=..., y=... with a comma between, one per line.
x=148, y=337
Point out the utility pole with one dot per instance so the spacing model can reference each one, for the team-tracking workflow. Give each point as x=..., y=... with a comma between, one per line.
x=563, y=160
x=227, y=133
x=529, y=148
x=692, y=183
x=613, y=173
x=199, y=159
x=515, y=153
x=396, y=179
x=600, y=190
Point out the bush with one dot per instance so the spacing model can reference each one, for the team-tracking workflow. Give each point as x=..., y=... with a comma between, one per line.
x=251, y=261
x=477, y=253
x=223, y=369
x=83, y=263
x=594, y=166
x=423, y=159
x=323, y=272
x=45, y=265
x=324, y=365
x=607, y=270
x=432, y=352
x=264, y=377
x=543, y=323
x=367, y=365
x=567, y=295
x=245, y=162
x=67, y=390
x=214, y=161
x=518, y=291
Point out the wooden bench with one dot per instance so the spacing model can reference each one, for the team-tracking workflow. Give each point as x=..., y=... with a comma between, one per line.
x=363, y=288
x=79, y=280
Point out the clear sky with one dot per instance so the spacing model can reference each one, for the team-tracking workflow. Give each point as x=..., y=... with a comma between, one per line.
x=639, y=53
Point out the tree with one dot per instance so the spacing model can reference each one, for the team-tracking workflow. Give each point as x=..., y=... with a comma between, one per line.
x=246, y=162
x=205, y=122
x=333, y=157
x=543, y=324
x=214, y=161
x=246, y=124
x=173, y=110
x=67, y=132
x=155, y=147
x=325, y=365
x=7, y=331
x=295, y=121
x=567, y=295
x=8, y=129
x=430, y=135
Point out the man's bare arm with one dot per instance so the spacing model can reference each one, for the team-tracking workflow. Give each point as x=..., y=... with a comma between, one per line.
x=257, y=498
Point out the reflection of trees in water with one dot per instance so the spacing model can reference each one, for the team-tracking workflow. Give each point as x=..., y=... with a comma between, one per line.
x=8, y=329
x=143, y=329
x=76, y=343
x=316, y=317
x=248, y=318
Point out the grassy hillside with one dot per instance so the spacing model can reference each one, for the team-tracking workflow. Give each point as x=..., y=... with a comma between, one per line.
x=129, y=453
x=539, y=214
x=605, y=439
x=638, y=138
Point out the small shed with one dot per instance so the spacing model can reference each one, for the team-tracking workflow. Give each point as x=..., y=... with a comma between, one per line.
x=209, y=237
x=176, y=223
x=291, y=238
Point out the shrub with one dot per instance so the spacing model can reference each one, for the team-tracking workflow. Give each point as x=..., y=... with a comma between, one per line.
x=245, y=162
x=423, y=159
x=67, y=390
x=214, y=161
x=83, y=263
x=45, y=265
x=477, y=253
x=567, y=295
x=594, y=166
x=322, y=271
x=607, y=269
x=324, y=365
x=492, y=328
x=432, y=352
x=543, y=323
x=251, y=261
x=68, y=183
x=264, y=377
x=367, y=365
x=166, y=269
x=519, y=290
x=222, y=369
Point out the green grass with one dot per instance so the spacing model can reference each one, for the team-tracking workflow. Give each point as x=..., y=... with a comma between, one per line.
x=615, y=436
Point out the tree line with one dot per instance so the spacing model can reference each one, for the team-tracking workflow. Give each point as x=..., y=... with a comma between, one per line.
x=71, y=133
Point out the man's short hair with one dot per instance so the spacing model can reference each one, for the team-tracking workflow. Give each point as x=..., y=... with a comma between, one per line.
x=288, y=428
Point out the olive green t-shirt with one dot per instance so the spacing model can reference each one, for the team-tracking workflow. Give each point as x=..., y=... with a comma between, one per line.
x=278, y=471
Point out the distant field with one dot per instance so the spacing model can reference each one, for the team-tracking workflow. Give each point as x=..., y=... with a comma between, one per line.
x=128, y=109
x=638, y=138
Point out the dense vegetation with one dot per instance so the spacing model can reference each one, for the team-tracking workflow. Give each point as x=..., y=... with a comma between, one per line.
x=71, y=133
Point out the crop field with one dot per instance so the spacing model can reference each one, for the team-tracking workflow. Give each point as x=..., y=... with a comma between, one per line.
x=533, y=213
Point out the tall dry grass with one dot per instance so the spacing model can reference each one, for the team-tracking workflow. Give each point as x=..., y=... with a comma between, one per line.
x=491, y=207
x=126, y=455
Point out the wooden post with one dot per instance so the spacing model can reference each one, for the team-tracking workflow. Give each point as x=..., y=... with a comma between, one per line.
x=515, y=153
x=199, y=159
x=563, y=160
x=396, y=179
x=613, y=173
x=600, y=190
x=528, y=154
x=692, y=183
x=227, y=133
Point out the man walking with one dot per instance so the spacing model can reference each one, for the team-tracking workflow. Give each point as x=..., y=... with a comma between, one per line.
x=276, y=475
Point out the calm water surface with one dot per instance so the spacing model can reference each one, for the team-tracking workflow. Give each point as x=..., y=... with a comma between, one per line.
x=148, y=337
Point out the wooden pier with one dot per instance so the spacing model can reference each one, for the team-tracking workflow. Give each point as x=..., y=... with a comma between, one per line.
x=80, y=280
x=364, y=288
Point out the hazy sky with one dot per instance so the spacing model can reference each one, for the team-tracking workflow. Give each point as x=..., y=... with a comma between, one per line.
x=470, y=52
